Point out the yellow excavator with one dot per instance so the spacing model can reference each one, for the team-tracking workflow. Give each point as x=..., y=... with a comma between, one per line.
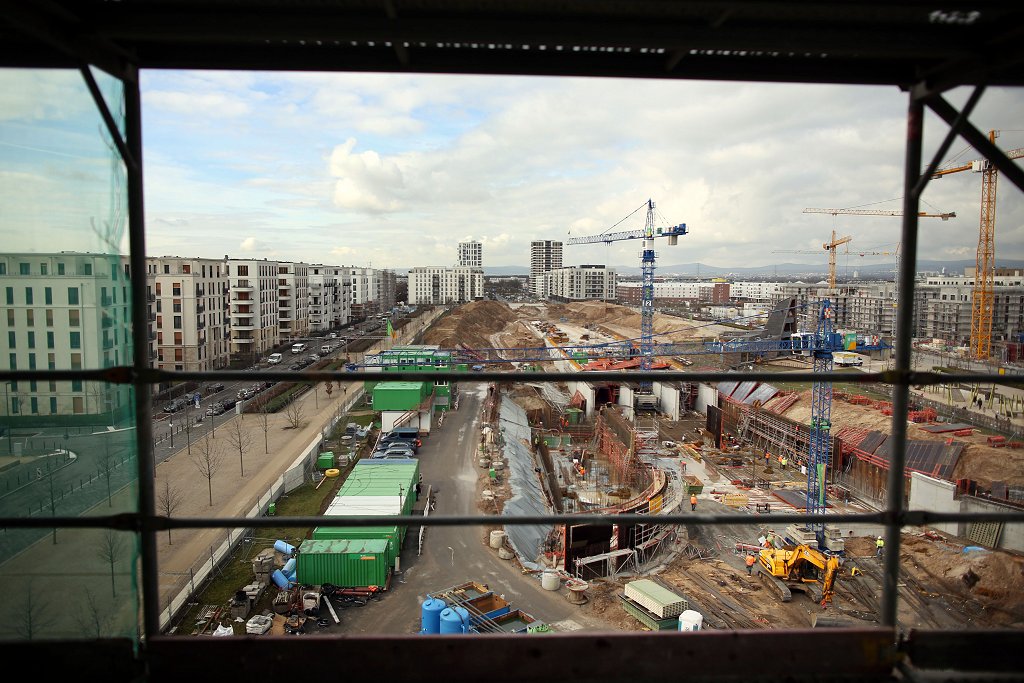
x=800, y=568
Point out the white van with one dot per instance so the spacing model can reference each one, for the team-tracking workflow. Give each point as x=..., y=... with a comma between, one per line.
x=298, y=348
x=274, y=358
x=325, y=349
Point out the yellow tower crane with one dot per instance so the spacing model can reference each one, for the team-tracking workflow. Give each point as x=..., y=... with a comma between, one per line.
x=830, y=247
x=985, y=263
x=883, y=212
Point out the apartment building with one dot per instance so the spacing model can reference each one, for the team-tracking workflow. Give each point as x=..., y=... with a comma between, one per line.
x=442, y=285
x=754, y=291
x=64, y=311
x=545, y=256
x=253, y=300
x=292, y=301
x=188, y=313
x=676, y=291
x=330, y=297
x=943, y=306
x=470, y=255
x=387, y=290
x=580, y=283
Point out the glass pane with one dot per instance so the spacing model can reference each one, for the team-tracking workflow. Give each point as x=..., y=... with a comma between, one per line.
x=67, y=447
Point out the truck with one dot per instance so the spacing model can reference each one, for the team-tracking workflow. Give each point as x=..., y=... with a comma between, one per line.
x=847, y=358
x=298, y=348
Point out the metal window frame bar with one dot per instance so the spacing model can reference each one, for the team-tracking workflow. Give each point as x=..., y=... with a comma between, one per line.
x=146, y=523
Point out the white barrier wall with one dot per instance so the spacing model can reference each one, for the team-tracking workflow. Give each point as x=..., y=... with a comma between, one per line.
x=934, y=495
x=668, y=396
x=707, y=395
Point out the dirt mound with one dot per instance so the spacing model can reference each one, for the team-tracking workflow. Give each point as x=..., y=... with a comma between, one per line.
x=985, y=465
x=470, y=324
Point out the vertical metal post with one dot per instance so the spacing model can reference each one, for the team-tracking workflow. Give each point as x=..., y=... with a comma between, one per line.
x=901, y=388
x=140, y=361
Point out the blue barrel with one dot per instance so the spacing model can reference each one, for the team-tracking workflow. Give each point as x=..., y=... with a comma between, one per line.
x=291, y=578
x=279, y=579
x=430, y=615
x=284, y=547
x=454, y=620
x=289, y=567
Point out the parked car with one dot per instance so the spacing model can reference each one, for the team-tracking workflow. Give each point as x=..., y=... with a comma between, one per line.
x=216, y=408
x=229, y=404
x=396, y=449
x=313, y=357
x=175, y=405
x=215, y=387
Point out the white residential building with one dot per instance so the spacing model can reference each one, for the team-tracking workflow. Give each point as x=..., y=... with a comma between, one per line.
x=330, y=297
x=188, y=310
x=441, y=285
x=292, y=301
x=578, y=283
x=65, y=311
x=470, y=255
x=754, y=291
x=545, y=256
x=254, y=311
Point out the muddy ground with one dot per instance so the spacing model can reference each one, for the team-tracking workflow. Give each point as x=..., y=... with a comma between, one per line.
x=944, y=583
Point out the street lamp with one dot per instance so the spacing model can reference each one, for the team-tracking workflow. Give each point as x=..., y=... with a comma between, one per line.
x=66, y=437
x=7, y=411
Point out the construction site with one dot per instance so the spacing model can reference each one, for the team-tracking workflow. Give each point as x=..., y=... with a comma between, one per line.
x=617, y=447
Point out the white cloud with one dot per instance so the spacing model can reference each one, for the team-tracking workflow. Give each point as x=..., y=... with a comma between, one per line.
x=393, y=168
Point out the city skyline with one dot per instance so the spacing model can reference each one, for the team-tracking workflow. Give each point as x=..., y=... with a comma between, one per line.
x=392, y=171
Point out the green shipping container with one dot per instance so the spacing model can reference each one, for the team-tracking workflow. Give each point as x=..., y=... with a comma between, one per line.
x=325, y=461
x=348, y=563
x=393, y=536
x=399, y=395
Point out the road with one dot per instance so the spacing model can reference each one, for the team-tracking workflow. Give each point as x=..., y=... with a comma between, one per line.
x=453, y=555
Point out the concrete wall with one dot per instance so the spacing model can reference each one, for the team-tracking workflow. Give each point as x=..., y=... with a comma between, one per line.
x=587, y=391
x=668, y=395
x=934, y=495
x=626, y=398
x=706, y=395
x=1012, y=537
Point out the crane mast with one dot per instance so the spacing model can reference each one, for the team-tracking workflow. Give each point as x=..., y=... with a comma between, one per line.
x=647, y=265
x=983, y=294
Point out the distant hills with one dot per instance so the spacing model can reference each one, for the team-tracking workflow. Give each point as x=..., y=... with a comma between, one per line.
x=787, y=270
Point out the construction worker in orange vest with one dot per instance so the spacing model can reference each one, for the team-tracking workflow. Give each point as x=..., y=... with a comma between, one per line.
x=693, y=501
x=750, y=564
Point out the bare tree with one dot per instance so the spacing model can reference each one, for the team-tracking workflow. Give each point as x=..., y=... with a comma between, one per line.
x=109, y=550
x=294, y=414
x=263, y=418
x=92, y=619
x=167, y=502
x=106, y=462
x=240, y=440
x=207, y=459
x=33, y=615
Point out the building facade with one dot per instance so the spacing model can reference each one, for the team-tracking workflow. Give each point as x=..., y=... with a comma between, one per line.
x=470, y=255
x=581, y=283
x=254, y=314
x=292, y=301
x=440, y=285
x=66, y=311
x=545, y=256
x=330, y=297
x=189, y=320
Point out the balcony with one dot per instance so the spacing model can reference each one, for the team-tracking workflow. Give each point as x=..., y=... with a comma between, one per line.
x=242, y=340
x=241, y=297
x=200, y=309
x=242, y=286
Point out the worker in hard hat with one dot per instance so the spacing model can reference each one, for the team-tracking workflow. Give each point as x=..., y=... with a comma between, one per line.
x=750, y=564
x=693, y=501
x=879, y=546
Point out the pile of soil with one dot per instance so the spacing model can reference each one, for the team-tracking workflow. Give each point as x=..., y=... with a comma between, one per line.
x=470, y=324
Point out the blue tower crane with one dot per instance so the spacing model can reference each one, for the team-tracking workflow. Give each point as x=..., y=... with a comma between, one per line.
x=647, y=259
x=826, y=340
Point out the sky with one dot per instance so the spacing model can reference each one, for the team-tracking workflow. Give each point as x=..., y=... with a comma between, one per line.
x=392, y=170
